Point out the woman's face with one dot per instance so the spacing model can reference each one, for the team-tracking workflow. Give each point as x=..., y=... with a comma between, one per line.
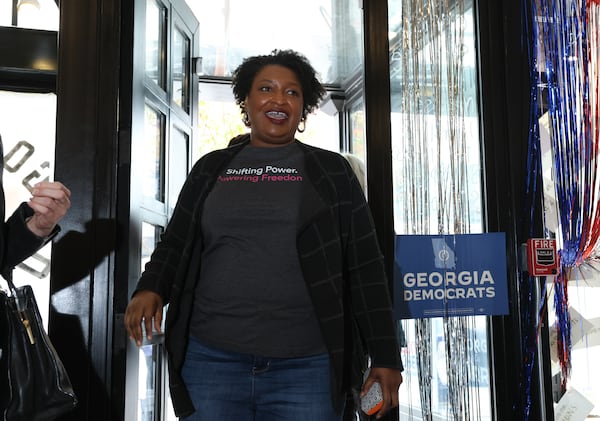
x=274, y=106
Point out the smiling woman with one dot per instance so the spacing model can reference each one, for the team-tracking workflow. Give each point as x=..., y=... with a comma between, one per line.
x=219, y=120
x=259, y=299
x=273, y=106
x=276, y=93
x=332, y=42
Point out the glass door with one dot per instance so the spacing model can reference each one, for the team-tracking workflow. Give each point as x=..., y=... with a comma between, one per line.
x=437, y=190
x=164, y=109
x=28, y=159
x=28, y=122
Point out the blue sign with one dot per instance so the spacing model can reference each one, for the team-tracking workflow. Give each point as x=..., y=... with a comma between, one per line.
x=450, y=275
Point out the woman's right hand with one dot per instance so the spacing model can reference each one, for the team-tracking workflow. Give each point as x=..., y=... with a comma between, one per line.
x=145, y=307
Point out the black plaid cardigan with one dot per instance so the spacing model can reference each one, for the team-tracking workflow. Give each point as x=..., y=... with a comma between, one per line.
x=340, y=259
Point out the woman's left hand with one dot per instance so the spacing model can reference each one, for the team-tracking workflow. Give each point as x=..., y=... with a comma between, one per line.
x=390, y=380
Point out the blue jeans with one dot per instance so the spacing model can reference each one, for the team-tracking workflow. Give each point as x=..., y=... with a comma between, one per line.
x=228, y=386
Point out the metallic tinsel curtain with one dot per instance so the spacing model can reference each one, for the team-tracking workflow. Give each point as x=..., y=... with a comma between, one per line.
x=434, y=197
x=564, y=62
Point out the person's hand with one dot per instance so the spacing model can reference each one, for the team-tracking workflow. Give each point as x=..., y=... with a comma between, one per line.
x=390, y=380
x=50, y=202
x=145, y=307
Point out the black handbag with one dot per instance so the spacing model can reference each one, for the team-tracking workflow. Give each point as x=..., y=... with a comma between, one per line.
x=34, y=385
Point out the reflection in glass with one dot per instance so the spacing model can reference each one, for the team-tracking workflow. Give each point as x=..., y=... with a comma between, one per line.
x=181, y=69
x=153, y=160
x=156, y=22
x=28, y=158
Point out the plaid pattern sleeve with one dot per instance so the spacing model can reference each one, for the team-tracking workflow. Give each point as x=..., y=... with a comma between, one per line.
x=169, y=261
x=369, y=288
x=344, y=268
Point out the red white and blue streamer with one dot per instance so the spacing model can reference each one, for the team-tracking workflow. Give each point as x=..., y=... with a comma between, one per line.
x=565, y=57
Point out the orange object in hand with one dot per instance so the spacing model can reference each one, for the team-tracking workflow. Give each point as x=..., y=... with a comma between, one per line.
x=373, y=400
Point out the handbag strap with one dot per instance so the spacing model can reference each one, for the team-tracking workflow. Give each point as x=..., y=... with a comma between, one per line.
x=19, y=300
x=7, y=274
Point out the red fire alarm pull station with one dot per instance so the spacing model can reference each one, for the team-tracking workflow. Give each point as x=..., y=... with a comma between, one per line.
x=541, y=257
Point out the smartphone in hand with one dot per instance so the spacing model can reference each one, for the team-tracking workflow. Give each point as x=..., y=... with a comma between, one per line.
x=373, y=400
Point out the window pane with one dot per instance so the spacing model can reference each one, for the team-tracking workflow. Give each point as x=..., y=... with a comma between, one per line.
x=328, y=32
x=153, y=161
x=437, y=190
x=156, y=22
x=583, y=296
x=357, y=130
x=150, y=237
x=28, y=158
x=148, y=392
x=321, y=130
x=181, y=70
x=219, y=119
x=6, y=12
x=178, y=165
x=150, y=360
x=584, y=293
x=31, y=14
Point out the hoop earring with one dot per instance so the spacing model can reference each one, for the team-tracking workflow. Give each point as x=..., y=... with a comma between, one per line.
x=245, y=118
x=302, y=125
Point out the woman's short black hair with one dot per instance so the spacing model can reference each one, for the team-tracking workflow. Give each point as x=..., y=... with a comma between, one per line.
x=312, y=90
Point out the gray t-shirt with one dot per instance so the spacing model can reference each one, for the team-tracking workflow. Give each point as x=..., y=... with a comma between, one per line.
x=251, y=296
